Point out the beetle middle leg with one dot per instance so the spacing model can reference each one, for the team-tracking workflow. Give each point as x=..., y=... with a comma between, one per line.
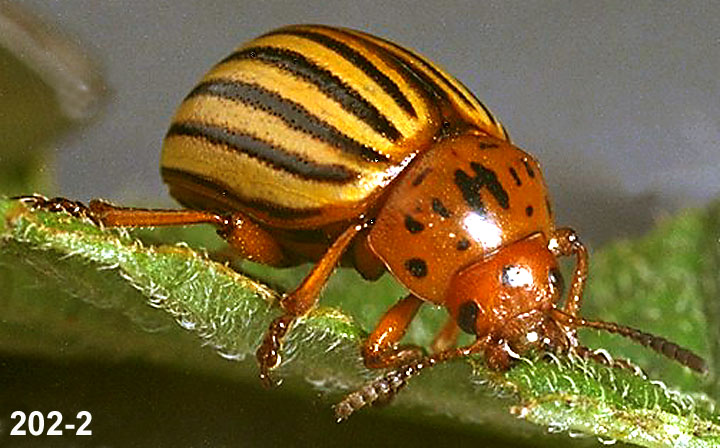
x=300, y=302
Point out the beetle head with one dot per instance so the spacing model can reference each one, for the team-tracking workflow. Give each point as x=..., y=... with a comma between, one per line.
x=507, y=299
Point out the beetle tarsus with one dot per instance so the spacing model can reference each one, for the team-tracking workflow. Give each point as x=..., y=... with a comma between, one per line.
x=58, y=205
x=268, y=354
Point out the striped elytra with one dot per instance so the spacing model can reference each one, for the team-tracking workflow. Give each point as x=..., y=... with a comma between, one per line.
x=328, y=144
x=311, y=120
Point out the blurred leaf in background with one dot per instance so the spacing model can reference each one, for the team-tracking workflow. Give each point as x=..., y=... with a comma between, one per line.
x=48, y=85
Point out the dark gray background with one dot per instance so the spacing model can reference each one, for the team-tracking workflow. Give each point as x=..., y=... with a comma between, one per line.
x=619, y=100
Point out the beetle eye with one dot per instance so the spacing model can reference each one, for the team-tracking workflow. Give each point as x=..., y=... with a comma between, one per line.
x=556, y=281
x=467, y=315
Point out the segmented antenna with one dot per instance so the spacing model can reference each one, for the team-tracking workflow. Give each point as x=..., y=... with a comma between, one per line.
x=657, y=343
x=383, y=389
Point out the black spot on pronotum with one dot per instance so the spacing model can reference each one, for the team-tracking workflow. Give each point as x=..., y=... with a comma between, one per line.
x=412, y=225
x=463, y=244
x=467, y=317
x=528, y=168
x=470, y=187
x=439, y=208
x=486, y=145
x=529, y=210
x=417, y=267
x=421, y=177
x=515, y=176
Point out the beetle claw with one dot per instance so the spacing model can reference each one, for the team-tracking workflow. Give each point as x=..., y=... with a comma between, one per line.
x=267, y=380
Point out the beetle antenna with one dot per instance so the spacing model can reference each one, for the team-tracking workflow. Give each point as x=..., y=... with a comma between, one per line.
x=384, y=389
x=657, y=343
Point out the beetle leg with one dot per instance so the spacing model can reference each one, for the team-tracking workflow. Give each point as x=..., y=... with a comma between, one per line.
x=446, y=337
x=249, y=240
x=300, y=302
x=380, y=349
x=565, y=242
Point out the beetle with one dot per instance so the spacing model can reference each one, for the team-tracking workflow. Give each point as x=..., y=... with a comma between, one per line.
x=328, y=144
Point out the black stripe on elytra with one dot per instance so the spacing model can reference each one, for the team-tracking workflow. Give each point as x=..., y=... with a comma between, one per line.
x=413, y=78
x=328, y=83
x=176, y=176
x=359, y=61
x=429, y=84
x=292, y=113
x=470, y=187
x=486, y=110
x=406, y=64
x=515, y=176
x=528, y=168
x=412, y=225
x=256, y=148
x=439, y=208
x=417, y=267
x=447, y=83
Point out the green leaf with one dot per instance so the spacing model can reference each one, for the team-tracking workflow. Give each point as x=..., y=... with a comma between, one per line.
x=66, y=280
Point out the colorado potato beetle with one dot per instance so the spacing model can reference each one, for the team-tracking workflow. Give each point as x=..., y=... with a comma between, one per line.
x=328, y=144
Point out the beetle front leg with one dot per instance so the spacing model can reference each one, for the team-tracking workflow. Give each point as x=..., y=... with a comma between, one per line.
x=565, y=242
x=380, y=349
x=299, y=302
